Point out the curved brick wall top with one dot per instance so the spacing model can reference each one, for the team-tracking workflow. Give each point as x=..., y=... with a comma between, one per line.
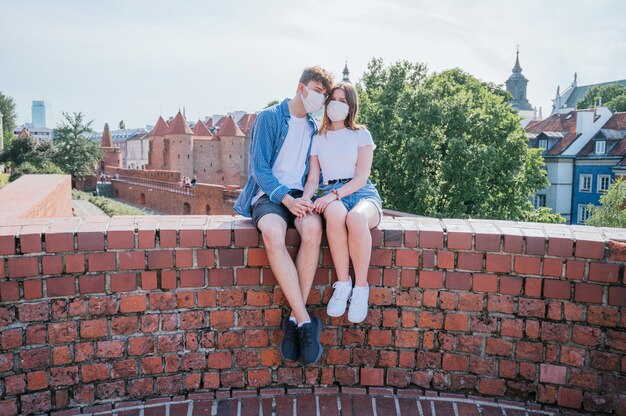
x=107, y=310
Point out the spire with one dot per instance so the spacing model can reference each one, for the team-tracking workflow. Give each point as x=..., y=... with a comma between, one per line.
x=229, y=128
x=159, y=128
x=517, y=68
x=346, y=72
x=575, y=83
x=107, y=141
x=179, y=125
x=201, y=130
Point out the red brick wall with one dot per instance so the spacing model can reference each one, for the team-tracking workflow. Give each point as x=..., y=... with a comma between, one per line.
x=37, y=196
x=94, y=312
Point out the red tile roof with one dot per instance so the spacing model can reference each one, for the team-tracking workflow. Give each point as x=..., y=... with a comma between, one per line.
x=616, y=122
x=246, y=123
x=107, y=140
x=220, y=122
x=564, y=123
x=159, y=128
x=619, y=149
x=209, y=123
x=179, y=125
x=229, y=128
x=201, y=130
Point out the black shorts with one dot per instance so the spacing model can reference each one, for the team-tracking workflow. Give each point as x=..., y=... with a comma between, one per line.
x=264, y=206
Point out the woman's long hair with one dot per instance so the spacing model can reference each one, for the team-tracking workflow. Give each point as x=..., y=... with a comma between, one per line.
x=352, y=100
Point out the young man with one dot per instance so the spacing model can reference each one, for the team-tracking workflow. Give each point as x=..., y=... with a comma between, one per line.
x=280, y=144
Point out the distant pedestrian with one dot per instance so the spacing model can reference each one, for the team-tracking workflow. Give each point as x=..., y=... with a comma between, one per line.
x=194, y=181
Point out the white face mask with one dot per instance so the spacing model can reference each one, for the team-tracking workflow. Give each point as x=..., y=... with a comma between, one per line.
x=337, y=111
x=313, y=102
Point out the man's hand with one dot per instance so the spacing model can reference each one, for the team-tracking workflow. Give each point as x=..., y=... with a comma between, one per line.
x=299, y=207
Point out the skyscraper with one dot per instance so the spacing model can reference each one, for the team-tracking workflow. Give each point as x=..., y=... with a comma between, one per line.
x=39, y=114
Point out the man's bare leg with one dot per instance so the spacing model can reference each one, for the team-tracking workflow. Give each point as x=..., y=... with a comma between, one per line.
x=274, y=230
x=310, y=230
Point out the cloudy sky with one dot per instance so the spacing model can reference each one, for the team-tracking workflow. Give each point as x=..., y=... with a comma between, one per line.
x=132, y=60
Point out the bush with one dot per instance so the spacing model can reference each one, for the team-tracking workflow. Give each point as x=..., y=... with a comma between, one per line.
x=109, y=206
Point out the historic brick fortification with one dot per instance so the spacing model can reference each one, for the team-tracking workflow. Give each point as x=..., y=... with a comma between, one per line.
x=98, y=313
x=162, y=191
x=37, y=196
x=112, y=156
x=220, y=158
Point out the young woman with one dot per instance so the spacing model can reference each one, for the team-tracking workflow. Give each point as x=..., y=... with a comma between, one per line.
x=350, y=203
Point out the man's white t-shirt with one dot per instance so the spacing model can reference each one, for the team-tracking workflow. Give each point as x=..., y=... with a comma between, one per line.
x=290, y=163
x=338, y=151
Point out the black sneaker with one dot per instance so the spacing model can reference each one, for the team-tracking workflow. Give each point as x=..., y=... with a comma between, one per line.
x=290, y=347
x=310, y=346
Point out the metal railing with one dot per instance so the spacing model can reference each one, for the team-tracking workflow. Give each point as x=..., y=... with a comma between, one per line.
x=160, y=185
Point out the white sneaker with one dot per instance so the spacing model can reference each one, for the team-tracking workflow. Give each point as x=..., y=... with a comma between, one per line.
x=337, y=303
x=358, y=304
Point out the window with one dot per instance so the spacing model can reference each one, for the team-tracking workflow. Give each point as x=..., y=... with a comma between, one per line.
x=604, y=181
x=583, y=213
x=539, y=201
x=585, y=183
x=543, y=143
x=600, y=147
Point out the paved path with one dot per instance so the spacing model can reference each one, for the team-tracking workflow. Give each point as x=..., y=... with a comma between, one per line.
x=302, y=402
x=84, y=208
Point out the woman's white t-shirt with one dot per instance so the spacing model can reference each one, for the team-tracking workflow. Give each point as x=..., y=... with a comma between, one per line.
x=338, y=151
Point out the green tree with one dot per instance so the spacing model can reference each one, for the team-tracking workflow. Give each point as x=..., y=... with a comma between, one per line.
x=74, y=153
x=449, y=145
x=612, y=209
x=121, y=125
x=7, y=108
x=271, y=103
x=24, y=150
x=613, y=96
x=28, y=168
x=543, y=214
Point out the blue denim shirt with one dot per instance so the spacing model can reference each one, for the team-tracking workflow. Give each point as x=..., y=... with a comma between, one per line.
x=267, y=137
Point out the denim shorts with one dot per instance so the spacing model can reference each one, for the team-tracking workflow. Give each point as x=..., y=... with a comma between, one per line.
x=264, y=206
x=366, y=193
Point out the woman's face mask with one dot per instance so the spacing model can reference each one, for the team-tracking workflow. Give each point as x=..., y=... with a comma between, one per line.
x=337, y=111
x=313, y=102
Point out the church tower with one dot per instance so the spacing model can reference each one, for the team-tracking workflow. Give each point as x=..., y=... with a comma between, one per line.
x=346, y=73
x=516, y=85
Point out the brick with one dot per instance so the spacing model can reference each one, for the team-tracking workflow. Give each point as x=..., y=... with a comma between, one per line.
x=229, y=257
x=248, y=277
x=379, y=338
x=57, y=242
x=123, y=325
x=162, y=301
x=601, y=315
x=90, y=240
x=603, y=272
x=39, y=402
x=470, y=261
x=222, y=319
x=11, y=339
x=221, y=277
x=99, y=262
x=589, y=293
x=52, y=264
x=407, y=258
x=372, y=376
x=94, y=372
x=498, y=346
x=460, y=240
x=445, y=259
x=91, y=284
x=23, y=267
x=513, y=328
x=120, y=239
x=74, y=263
x=485, y=282
x=192, y=278
x=95, y=328
x=256, y=257
x=123, y=282
x=458, y=280
x=510, y=285
x=9, y=291
x=500, y=303
x=552, y=267
x=456, y=322
x=184, y=258
x=617, y=296
x=61, y=333
x=492, y=387
x=168, y=279
x=556, y=289
x=552, y=374
x=487, y=241
x=430, y=279
x=532, y=287
x=37, y=380
x=130, y=260
x=191, y=238
x=381, y=257
x=430, y=239
x=133, y=303
x=498, y=263
x=31, y=312
x=560, y=246
x=454, y=362
x=160, y=259
x=570, y=398
x=592, y=249
x=585, y=335
x=527, y=265
x=140, y=346
x=60, y=286
x=432, y=320
x=470, y=302
x=575, y=269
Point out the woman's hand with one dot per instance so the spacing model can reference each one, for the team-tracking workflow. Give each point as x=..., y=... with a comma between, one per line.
x=322, y=203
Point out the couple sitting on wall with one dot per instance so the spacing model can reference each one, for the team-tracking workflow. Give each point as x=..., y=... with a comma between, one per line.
x=299, y=173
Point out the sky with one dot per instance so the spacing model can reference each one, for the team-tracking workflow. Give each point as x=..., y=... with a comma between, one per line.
x=134, y=60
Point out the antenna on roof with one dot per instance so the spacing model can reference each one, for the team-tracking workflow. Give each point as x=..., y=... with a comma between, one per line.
x=600, y=101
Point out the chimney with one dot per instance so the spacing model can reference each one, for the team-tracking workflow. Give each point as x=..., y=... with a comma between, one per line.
x=584, y=121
